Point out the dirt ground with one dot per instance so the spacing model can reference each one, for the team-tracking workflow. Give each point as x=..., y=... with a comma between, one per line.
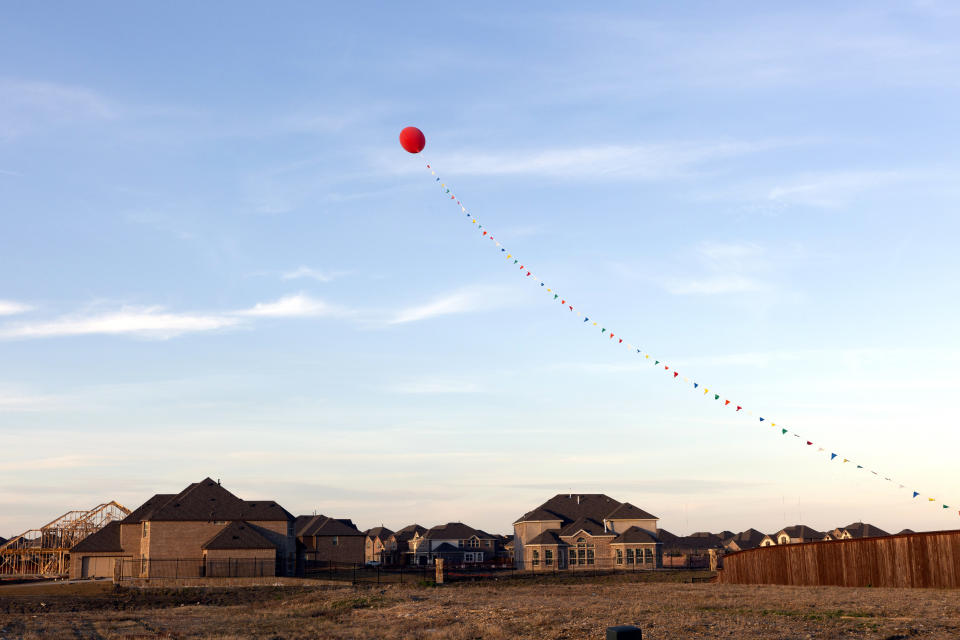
x=552, y=609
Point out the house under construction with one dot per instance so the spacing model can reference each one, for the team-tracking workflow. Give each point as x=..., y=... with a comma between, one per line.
x=46, y=551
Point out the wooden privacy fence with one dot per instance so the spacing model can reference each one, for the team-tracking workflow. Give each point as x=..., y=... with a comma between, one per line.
x=929, y=559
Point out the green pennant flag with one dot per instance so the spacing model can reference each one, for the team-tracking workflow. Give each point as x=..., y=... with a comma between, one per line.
x=556, y=295
x=783, y=431
x=516, y=261
x=859, y=466
x=945, y=507
x=603, y=330
x=716, y=396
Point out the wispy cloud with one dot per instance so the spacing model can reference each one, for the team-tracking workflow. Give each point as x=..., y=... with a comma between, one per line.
x=28, y=105
x=730, y=268
x=832, y=190
x=295, y=306
x=435, y=386
x=152, y=322
x=9, y=307
x=656, y=161
x=463, y=301
x=314, y=274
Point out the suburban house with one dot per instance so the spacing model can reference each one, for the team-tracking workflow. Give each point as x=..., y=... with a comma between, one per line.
x=857, y=530
x=749, y=539
x=456, y=543
x=692, y=551
x=795, y=534
x=191, y=534
x=405, y=541
x=582, y=530
x=381, y=546
x=324, y=539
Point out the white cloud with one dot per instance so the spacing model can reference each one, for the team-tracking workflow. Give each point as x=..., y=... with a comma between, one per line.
x=151, y=322
x=730, y=268
x=26, y=105
x=307, y=272
x=295, y=306
x=656, y=161
x=832, y=190
x=463, y=301
x=436, y=385
x=9, y=307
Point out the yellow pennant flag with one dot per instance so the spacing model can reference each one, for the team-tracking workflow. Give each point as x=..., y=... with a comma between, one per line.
x=932, y=499
x=646, y=356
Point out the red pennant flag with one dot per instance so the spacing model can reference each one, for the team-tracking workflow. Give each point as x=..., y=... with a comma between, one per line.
x=452, y=198
x=675, y=374
x=521, y=266
x=666, y=368
x=563, y=302
x=726, y=402
x=484, y=233
x=809, y=443
x=528, y=273
x=739, y=407
x=621, y=340
x=571, y=307
x=611, y=335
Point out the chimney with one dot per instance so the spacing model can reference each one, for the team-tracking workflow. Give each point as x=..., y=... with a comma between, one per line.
x=578, y=499
x=218, y=482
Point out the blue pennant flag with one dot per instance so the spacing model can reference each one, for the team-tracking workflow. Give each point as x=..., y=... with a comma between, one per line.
x=915, y=494
x=761, y=419
x=832, y=456
x=585, y=318
x=695, y=385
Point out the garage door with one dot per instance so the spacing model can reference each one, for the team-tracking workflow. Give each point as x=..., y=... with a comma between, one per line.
x=94, y=567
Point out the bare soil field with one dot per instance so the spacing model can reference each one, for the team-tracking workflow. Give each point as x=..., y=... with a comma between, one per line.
x=552, y=609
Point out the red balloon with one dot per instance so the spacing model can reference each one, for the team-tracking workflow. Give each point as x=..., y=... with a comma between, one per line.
x=413, y=140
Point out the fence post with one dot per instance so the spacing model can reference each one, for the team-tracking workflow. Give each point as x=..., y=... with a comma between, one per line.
x=378, y=574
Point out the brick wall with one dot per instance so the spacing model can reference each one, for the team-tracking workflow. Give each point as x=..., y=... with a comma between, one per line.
x=347, y=549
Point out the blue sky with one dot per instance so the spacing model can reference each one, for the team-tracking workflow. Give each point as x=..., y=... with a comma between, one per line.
x=217, y=260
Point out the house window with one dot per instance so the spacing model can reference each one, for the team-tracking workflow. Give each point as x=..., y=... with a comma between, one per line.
x=648, y=556
x=146, y=529
x=619, y=556
x=473, y=543
x=548, y=557
x=589, y=556
x=629, y=556
x=573, y=557
x=335, y=540
x=536, y=558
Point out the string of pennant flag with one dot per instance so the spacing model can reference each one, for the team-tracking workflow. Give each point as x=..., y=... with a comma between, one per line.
x=608, y=333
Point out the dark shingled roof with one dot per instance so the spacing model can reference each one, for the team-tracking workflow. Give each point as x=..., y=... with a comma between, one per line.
x=106, y=539
x=144, y=511
x=666, y=536
x=324, y=526
x=409, y=531
x=454, y=531
x=589, y=525
x=539, y=515
x=635, y=535
x=749, y=539
x=802, y=531
x=547, y=537
x=573, y=506
x=446, y=547
x=379, y=532
x=627, y=511
x=207, y=500
x=238, y=535
x=864, y=530
x=905, y=531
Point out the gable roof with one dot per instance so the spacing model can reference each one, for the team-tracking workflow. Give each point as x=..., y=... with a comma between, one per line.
x=409, y=531
x=572, y=506
x=589, y=525
x=454, y=531
x=693, y=543
x=321, y=525
x=547, y=537
x=379, y=532
x=627, y=511
x=104, y=540
x=864, y=530
x=635, y=535
x=445, y=547
x=144, y=511
x=239, y=535
x=206, y=501
x=748, y=539
x=666, y=536
x=802, y=531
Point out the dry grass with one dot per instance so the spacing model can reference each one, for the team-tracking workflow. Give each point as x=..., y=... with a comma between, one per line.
x=498, y=611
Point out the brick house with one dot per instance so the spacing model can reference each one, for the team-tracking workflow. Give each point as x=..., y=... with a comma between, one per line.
x=405, y=540
x=175, y=534
x=584, y=530
x=456, y=543
x=324, y=539
x=749, y=539
x=380, y=546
